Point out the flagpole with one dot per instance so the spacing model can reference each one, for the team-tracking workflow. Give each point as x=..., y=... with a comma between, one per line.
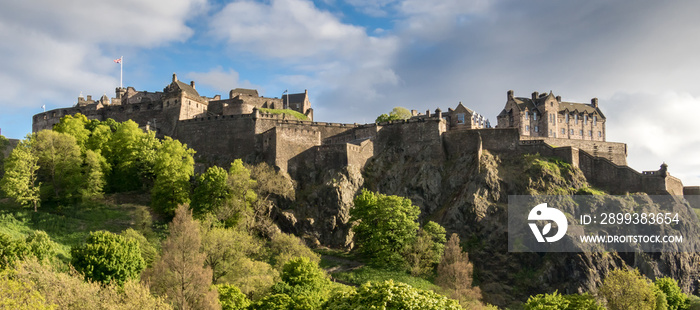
x=121, y=72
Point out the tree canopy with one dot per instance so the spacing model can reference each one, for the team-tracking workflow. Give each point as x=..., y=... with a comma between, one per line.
x=385, y=227
x=107, y=257
x=398, y=113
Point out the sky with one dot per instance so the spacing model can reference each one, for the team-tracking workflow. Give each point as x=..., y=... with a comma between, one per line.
x=361, y=58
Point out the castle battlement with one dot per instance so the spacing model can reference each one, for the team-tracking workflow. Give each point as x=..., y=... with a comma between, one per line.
x=221, y=130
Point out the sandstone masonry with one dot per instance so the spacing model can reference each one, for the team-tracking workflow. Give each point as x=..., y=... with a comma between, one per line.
x=250, y=127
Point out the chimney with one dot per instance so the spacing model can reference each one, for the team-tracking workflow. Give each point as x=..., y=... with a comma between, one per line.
x=192, y=84
x=89, y=97
x=559, y=99
x=510, y=94
x=174, y=77
x=594, y=102
x=534, y=95
x=427, y=113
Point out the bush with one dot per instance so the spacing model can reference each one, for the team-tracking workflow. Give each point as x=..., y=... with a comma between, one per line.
x=385, y=227
x=231, y=298
x=107, y=257
x=390, y=296
x=675, y=298
x=624, y=289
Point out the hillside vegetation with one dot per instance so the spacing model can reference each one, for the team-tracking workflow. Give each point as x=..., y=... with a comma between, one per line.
x=101, y=215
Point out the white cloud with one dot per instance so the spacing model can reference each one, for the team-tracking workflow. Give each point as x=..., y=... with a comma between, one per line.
x=220, y=80
x=657, y=127
x=52, y=50
x=295, y=30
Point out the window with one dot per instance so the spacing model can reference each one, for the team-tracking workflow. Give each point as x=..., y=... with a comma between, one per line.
x=595, y=120
x=527, y=127
x=563, y=131
x=534, y=116
x=585, y=119
x=537, y=128
x=580, y=132
x=576, y=118
x=550, y=132
x=527, y=115
x=600, y=134
x=590, y=133
x=567, y=118
x=460, y=118
x=571, y=132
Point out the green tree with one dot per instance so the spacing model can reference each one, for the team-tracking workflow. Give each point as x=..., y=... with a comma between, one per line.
x=225, y=248
x=174, y=166
x=425, y=252
x=231, y=298
x=59, y=160
x=624, y=289
x=675, y=298
x=385, y=227
x=397, y=113
x=211, y=191
x=74, y=125
x=20, y=180
x=273, y=302
x=180, y=274
x=95, y=169
x=132, y=155
x=99, y=140
x=107, y=257
x=238, y=209
x=390, y=296
x=554, y=301
x=582, y=302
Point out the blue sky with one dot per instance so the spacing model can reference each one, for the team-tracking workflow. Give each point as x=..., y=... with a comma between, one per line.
x=360, y=58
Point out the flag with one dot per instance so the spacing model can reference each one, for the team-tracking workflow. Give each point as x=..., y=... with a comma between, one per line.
x=43, y=107
x=118, y=60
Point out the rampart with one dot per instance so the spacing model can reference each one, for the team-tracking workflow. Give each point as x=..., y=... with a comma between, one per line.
x=613, y=151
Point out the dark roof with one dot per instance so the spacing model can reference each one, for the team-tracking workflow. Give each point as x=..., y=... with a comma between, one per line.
x=529, y=104
x=294, y=98
x=186, y=88
x=245, y=91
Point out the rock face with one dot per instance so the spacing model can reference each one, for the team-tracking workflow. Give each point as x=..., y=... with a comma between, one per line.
x=468, y=195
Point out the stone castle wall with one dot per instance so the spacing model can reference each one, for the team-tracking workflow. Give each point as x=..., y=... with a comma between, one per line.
x=613, y=151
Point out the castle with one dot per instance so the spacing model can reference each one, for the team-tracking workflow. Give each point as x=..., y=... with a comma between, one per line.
x=256, y=128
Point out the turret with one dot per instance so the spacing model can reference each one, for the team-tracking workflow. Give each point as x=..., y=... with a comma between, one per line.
x=174, y=77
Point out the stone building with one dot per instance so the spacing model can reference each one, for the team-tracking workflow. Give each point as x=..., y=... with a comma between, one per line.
x=249, y=126
x=545, y=115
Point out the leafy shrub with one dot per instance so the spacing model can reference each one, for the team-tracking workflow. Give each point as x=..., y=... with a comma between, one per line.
x=107, y=257
x=624, y=289
x=390, y=296
x=231, y=298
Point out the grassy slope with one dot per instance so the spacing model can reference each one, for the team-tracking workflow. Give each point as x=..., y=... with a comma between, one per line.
x=285, y=111
x=68, y=226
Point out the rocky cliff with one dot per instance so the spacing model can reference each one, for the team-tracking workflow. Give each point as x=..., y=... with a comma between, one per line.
x=468, y=195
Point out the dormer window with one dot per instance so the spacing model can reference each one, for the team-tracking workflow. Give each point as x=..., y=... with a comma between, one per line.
x=534, y=116
x=585, y=119
x=460, y=118
x=576, y=118
x=527, y=115
x=595, y=120
x=567, y=118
